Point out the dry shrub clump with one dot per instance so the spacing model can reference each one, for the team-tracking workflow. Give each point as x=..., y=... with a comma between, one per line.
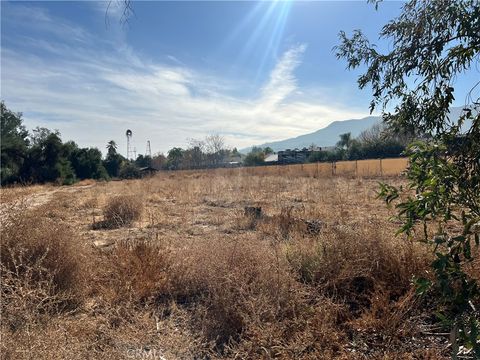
x=247, y=301
x=122, y=210
x=245, y=288
x=240, y=296
x=40, y=266
x=353, y=263
x=137, y=274
x=253, y=306
x=369, y=272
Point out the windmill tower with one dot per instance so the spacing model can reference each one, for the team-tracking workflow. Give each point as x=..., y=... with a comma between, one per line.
x=148, y=152
x=129, y=138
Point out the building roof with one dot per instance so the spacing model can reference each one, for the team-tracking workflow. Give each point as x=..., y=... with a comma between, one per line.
x=271, y=158
x=147, y=168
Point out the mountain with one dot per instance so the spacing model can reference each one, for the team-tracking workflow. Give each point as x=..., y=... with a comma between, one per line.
x=327, y=136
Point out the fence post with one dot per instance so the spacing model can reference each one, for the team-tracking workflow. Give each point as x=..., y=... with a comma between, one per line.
x=333, y=168
x=381, y=168
x=356, y=168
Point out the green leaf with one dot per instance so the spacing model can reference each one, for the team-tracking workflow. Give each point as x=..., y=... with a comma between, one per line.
x=422, y=285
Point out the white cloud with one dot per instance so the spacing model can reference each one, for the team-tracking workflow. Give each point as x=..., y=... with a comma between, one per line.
x=282, y=79
x=94, y=93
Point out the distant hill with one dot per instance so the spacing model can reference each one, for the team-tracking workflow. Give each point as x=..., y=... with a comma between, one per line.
x=328, y=136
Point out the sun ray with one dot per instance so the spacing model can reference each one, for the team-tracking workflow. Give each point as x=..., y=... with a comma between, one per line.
x=276, y=36
x=266, y=24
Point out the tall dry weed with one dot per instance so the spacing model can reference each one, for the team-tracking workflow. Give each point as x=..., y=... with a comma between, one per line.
x=133, y=275
x=41, y=269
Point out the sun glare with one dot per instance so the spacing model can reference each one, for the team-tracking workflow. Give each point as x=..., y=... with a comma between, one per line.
x=264, y=25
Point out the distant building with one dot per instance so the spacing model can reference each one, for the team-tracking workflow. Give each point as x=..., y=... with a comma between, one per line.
x=232, y=164
x=295, y=156
x=271, y=159
x=147, y=171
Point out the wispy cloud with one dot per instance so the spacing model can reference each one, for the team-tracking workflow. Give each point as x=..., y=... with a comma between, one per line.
x=92, y=92
x=41, y=21
x=282, y=79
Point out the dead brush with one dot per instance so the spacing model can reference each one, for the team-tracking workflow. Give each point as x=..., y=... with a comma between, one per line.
x=121, y=211
x=137, y=274
x=243, y=286
x=351, y=265
x=387, y=317
x=40, y=266
x=288, y=224
x=313, y=332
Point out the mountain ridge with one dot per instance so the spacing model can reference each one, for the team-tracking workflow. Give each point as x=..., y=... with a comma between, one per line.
x=329, y=135
x=325, y=137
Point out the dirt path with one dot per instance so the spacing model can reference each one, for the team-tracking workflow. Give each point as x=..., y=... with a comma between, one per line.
x=34, y=200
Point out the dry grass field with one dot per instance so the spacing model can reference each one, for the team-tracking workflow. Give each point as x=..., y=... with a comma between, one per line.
x=187, y=266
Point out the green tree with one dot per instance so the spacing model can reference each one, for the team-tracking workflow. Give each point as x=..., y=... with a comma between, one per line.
x=345, y=141
x=113, y=162
x=378, y=142
x=111, y=148
x=14, y=143
x=47, y=159
x=343, y=146
x=129, y=171
x=434, y=42
x=143, y=161
x=256, y=149
x=193, y=158
x=40, y=134
x=175, y=158
x=268, y=150
x=87, y=164
x=159, y=161
x=235, y=153
x=254, y=158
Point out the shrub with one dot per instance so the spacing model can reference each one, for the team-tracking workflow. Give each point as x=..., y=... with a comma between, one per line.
x=122, y=210
x=129, y=171
x=39, y=265
x=135, y=274
x=352, y=265
x=254, y=159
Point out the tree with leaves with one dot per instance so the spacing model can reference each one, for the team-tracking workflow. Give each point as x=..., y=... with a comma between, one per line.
x=143, y=161
x=14, y=144
x=256, y=156
x=48, y=159
x=159, y=161
x=343, y=146
x=434, y=43
x=87, y=163
x=175, y=158
x=113, y=161
x=345, y=141
x=111, y=148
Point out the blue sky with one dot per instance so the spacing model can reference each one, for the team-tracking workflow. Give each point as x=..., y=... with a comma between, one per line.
x=250, y=71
